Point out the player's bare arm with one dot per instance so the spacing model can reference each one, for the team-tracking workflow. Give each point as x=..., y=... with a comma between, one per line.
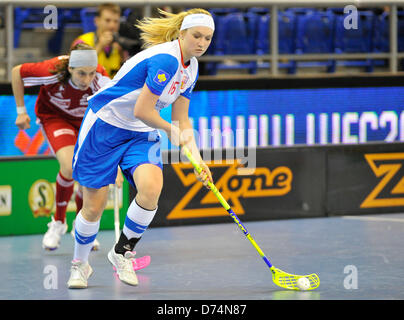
x=23, y=119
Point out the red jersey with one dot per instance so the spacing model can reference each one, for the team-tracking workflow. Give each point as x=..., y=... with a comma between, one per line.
x=56, y=98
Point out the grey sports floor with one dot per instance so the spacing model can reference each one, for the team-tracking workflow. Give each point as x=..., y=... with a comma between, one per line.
x=357, y=257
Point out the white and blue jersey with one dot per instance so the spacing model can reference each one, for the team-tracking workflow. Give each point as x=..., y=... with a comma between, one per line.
x=110, y=134
x=161, y=69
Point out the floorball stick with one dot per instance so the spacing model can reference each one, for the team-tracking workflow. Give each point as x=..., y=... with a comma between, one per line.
x=116, y=212
x=279, y=277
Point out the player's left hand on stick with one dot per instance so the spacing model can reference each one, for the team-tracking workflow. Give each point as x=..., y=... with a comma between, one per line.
x=23, y=121
x=205, y=176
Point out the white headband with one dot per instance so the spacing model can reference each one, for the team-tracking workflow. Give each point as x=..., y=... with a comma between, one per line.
x=83, y=58
x=198, y=20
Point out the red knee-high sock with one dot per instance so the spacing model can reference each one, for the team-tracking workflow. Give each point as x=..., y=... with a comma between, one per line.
x=79, y=201
x=64, y=191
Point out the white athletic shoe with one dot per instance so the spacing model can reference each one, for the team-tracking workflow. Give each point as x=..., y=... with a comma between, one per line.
x=123, y=266
x=79, y=274
x=51, y=239
x=96, y=244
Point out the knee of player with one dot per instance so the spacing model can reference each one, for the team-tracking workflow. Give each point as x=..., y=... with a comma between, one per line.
x=67, y=172
x=92, y=211
x=66, y=169
x=150, y=191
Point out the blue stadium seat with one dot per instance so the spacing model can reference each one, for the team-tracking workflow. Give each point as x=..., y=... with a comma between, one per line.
x=233, y=35
x=400, y=31
x=233, y=38
x=68, y=18
x=381, y=37
x=400, y=35
x=286, y=38
x=31, y=18
x=315, y=32
x=286, y=33
x=26, y=18
x=381, y=32
x=299, y=11
x=87, y=19
x=355, y=40
x=315, y=35
x=211, y=67
x=223, y=11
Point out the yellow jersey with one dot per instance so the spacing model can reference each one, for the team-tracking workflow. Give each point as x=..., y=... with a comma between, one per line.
x=111, y=62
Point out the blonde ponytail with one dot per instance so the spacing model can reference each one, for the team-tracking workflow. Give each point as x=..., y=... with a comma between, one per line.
x=163, y=29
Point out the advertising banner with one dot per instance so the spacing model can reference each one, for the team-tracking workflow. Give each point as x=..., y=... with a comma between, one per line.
x=261, y=117
x=366, y=179
x=27, y=197
x=259, y=184
x=287, y=182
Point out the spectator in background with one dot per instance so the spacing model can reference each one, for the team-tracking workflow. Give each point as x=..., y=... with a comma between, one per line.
x=109, y=51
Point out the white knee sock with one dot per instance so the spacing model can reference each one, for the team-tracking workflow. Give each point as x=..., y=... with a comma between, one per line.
x=137, y=220
x=85, y=234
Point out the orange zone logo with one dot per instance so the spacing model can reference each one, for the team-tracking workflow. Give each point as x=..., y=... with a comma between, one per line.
x=237, y=182
x=386, y=166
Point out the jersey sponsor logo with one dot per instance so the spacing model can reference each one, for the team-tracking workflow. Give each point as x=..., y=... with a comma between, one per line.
x=161, y=77
x=78, y=112
x=184, y=80
x=60, y=103
x=64, y=104
x=83, y=100
x=389, y=192
x=61, y=132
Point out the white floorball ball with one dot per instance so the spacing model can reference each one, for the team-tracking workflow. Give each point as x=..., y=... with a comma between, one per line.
x=303, y=283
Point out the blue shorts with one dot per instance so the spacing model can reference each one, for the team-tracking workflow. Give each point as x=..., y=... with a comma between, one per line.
x=101, y=147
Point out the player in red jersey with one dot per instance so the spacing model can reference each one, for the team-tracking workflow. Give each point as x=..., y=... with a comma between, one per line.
x=66, y=82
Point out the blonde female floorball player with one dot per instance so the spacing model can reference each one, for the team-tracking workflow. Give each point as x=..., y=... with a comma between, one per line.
x=126, y=112
x=65, y=82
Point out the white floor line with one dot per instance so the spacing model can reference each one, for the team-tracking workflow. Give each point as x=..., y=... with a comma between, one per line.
x=383, y=219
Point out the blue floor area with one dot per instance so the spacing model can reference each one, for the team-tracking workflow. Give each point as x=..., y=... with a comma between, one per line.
x=356, y=258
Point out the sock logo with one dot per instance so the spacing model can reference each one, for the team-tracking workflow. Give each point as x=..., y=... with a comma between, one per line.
x=389, y=192
x=84, y=239
x=127, y=247
x=235, y=183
